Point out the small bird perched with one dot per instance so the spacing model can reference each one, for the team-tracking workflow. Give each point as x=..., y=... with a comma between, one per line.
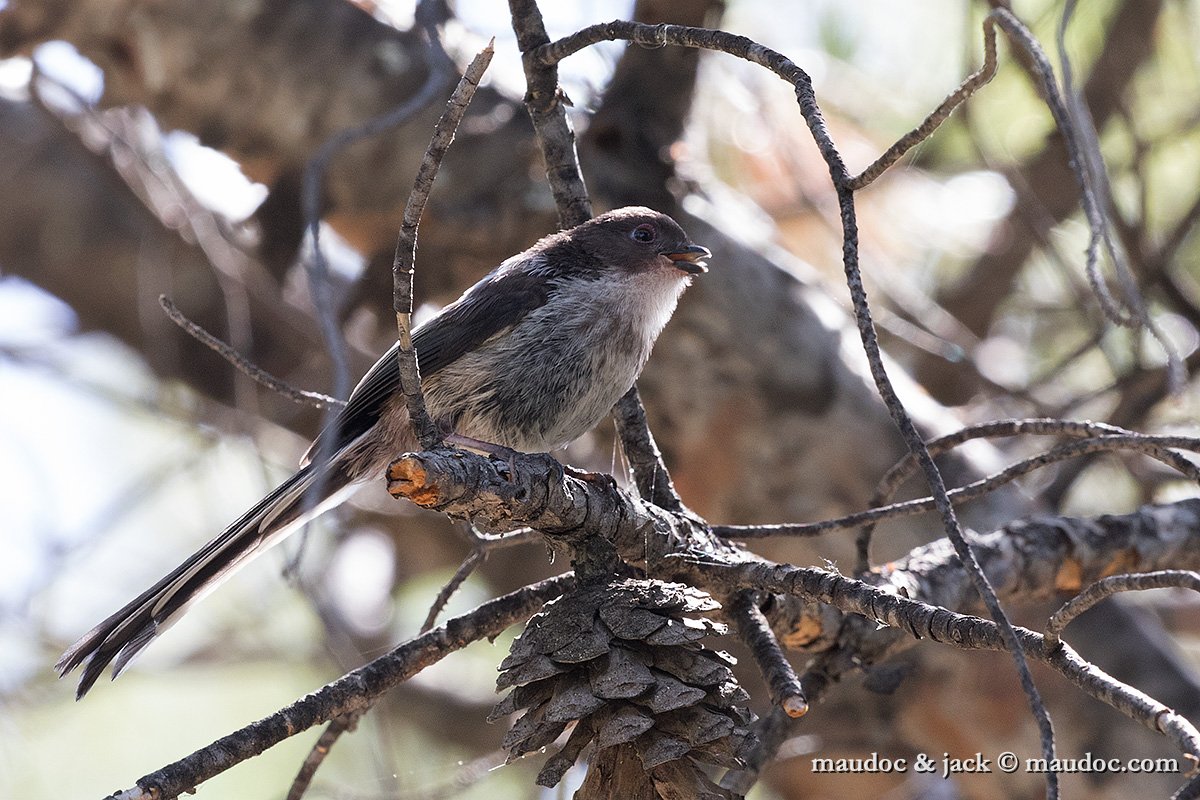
x=529, y=358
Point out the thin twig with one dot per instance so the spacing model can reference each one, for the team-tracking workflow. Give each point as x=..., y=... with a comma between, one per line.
x=243, y=364
x=1138, y=442
x=1091, y=170
x=641, y=451
x=481, y=545
x=823, y=672
x=426, y=431
x=1074, y=124
x=1106, y=587
x=905, y=467
x=939, y=115
x=320, y=749
x=755, y=632
x=320, y=285
x=544, y=101
x=468, y=565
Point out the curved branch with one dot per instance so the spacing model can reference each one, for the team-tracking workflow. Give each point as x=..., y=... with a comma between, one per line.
x=1114, y=584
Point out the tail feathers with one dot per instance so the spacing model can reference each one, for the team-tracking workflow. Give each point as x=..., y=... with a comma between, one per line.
x=124, y=634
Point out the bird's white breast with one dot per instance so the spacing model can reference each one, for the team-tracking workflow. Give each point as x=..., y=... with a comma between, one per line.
x=564, y=365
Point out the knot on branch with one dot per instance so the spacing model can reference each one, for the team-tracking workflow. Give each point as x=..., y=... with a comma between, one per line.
x=623, y=662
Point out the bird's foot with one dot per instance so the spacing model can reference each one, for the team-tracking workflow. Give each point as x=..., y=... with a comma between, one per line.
x=497, y=451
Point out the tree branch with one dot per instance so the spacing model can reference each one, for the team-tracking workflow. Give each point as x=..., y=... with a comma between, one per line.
x=426, y=431
x=243, y=364
x=1114, y=584
x=566, y=508
x=351, y=694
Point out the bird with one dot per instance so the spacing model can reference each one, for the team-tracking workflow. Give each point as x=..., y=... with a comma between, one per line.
x=528, y=359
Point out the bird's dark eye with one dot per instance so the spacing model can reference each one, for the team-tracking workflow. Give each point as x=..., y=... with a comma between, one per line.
x=644, y=233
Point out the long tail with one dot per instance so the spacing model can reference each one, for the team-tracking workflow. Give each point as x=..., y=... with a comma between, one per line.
x=124, y=634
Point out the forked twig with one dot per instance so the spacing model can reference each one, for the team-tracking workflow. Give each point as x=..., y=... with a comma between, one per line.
x=968, y=87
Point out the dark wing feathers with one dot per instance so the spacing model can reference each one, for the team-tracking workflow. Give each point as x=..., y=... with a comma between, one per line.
x=496, y=303
x=500, y=300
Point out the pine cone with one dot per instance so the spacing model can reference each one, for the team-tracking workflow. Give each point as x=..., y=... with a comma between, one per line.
x=622, y=662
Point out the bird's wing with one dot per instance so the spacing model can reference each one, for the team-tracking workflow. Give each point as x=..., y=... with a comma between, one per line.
x=500, y=300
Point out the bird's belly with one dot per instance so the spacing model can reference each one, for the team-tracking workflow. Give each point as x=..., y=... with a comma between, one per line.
x=541, y=400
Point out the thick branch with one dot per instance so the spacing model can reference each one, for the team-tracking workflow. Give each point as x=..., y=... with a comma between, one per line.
x=467, y=486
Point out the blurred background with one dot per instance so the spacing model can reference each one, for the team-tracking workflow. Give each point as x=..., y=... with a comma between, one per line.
x=152, y=148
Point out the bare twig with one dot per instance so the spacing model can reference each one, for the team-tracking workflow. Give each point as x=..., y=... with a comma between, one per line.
x=320, y=749
x=244, y=364
x=1081, y=142
x=1143, y=443
x=481, y=545
x=426, y=431
x=468, y=565
x=939, y=115
x=440, y=70
x=824, y=671
x=1106, y=587
x=641, y=451
x=544, y=101
x=352, y=693
x=904, y=468
x=754, y=631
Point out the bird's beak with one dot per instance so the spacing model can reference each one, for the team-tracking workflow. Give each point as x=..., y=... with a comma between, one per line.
x=690, y=259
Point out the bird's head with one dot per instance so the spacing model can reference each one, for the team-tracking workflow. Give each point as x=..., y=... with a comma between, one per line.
x=640, y=240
